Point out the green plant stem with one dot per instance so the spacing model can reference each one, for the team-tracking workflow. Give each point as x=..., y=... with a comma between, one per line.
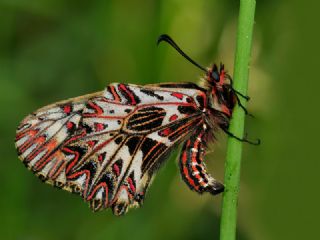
x=234, y=151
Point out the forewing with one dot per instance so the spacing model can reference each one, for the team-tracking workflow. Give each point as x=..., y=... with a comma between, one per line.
x=107, y=146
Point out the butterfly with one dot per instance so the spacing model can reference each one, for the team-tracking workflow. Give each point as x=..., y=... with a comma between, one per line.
x=107, y=146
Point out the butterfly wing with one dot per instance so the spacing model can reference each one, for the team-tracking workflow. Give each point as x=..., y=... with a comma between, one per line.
x=107, y=146
x=41, y=135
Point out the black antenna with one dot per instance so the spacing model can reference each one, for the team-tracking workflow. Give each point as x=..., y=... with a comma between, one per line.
x=167, y=39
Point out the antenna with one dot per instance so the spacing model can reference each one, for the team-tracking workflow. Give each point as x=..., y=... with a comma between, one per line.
x=168, y=39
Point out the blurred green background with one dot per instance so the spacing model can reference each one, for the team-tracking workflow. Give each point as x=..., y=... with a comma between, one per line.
x=56, y=49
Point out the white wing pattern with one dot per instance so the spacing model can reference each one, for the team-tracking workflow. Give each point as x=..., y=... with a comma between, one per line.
x=107, y=146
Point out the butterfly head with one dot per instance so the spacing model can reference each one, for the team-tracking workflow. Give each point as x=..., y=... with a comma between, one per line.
x=218, y=77
x=221, y=93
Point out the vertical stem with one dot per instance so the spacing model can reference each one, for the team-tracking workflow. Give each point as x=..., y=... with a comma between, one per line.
x=234, y=151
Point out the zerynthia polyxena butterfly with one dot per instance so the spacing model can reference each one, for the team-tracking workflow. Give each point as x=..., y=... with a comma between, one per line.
x=107, y=146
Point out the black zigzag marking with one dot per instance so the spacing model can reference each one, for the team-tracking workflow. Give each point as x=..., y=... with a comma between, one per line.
x=152, y=94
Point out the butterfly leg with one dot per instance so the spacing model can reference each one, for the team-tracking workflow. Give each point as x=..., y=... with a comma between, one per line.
x=192, y=167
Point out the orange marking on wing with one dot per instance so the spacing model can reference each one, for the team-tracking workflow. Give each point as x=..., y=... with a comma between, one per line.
x=32, y=132
x=115, y=94
x=29, y=142
x=54, y=167
x=39, y=148
x=40, y=140
x=51, y=145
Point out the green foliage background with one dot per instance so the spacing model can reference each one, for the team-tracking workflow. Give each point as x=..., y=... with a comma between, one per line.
x=56, y=49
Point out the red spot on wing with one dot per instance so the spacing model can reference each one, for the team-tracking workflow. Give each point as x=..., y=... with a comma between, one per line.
x=91, y=143
x=116, y=169
x=132, y=187
x=99, y=126
x=67, y=109
x=70, y=125
x=177, y=95
x=165, y=132
x=173, y=117
x=101, y=157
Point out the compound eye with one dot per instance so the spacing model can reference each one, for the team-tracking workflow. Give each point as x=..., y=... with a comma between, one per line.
x=215, y=75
